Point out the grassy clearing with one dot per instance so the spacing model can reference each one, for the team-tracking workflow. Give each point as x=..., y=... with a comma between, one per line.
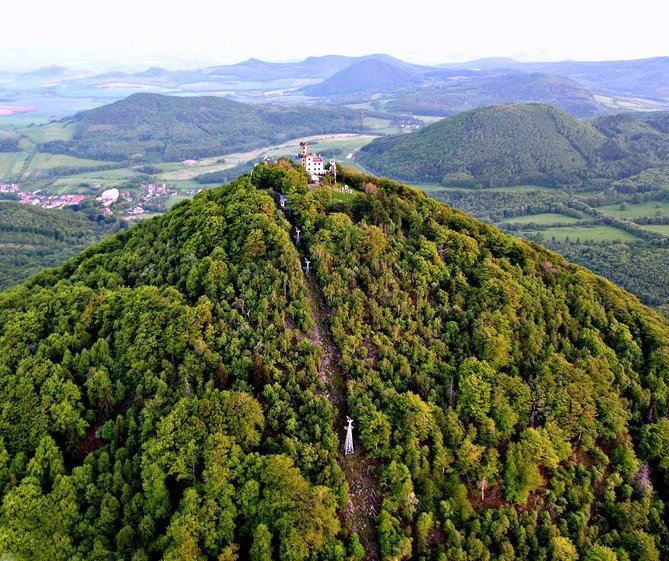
x=430, y=187
x=594, y=233
x=44, y=162
x=380, y=125
x=649, y=208
x=427, y=119
x=11, y=164
x=659, y=228
x=548, y=219
x=49, y=133
x=76, y=183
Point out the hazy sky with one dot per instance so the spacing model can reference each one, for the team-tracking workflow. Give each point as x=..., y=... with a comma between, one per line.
x=178, y=34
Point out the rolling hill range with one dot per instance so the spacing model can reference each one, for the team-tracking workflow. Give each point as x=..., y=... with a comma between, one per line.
x=583, y=88
x=521, y=144
x=180, y=390
x=455, y=93
x=157, y=128
x=643, y=78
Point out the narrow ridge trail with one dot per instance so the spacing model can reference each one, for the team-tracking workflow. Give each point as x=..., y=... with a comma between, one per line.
x=360, y=471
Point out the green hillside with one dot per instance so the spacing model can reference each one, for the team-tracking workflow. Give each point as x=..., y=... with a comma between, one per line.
x=157, y=128
x=502, y=145
x=180, y=390
x=32, y=239
x=366, y=76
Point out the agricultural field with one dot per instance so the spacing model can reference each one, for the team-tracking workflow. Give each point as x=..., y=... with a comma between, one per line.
x=41, y=162
x=659, y=228
x=432, y=187
x=48, y=133
x=547, y=219
x=640, y=210
x=11, y=164
x=583, y=233
x=380, y=125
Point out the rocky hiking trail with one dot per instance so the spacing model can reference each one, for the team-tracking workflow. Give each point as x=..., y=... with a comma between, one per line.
x=360, y=471
x=364, y=497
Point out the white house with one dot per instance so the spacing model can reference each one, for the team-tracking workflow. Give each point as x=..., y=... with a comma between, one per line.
x=313, y=163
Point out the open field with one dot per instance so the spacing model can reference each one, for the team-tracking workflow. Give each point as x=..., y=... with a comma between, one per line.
x=72, y=184
x=11, y=164
x=547, y=219
x=427, y=119
x=659, y=228
x=649, y=208
x=594, y=233
x=382, y=126
x=430, y=187
x=45, y=162
x=49, y=133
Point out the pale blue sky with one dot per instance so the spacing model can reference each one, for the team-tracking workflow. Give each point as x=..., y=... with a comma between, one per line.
x=141, y=32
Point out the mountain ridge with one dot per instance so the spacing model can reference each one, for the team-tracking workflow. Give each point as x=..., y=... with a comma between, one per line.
x=147, y=127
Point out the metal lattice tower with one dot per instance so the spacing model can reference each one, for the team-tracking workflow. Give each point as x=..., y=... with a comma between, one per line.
x=307, y=264
x=348, y=443
x=297, y=236
x=333, y=169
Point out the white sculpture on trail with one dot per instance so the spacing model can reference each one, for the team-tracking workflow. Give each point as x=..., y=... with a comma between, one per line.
x=348, y=444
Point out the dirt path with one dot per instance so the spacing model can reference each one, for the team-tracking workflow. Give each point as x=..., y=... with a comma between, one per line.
x=363, y=487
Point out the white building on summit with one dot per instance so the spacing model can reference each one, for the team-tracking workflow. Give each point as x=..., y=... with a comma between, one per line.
x=313, y=163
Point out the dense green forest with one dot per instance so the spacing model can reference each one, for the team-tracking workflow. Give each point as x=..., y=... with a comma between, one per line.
x=169, y=393
x=635, y=264
x=522, y=144
x=158, y=128
x=639, y=268
x=32, y=238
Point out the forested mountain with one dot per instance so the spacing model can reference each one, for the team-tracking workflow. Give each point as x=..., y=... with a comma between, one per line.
x=371, y=75
x=524, y=144
x=179, y=390
x=642, y=78
x=462, y=92
x=499, y=145
x=32, y=238
x=156, y=128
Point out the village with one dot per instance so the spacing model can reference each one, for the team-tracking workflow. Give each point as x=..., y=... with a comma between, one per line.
x=150, y=194
x=151, y=197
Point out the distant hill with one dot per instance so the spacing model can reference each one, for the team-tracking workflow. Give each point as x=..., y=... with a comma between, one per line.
x=500, y=145
x=157, y=128
x=642, y=78
x=35, y=238
x=321, y=67
x=367, y=75
x=452, y=91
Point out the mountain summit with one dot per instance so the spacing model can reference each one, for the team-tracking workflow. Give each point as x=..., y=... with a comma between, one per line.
x=180, y=390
